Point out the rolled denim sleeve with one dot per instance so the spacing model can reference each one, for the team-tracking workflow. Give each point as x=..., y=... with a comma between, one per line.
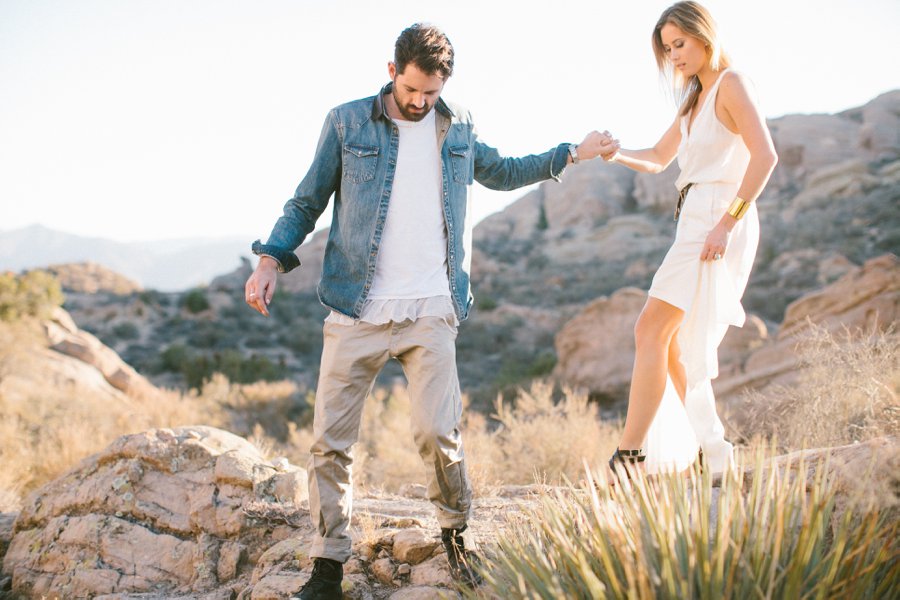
x=309, y=202
x=508, y=173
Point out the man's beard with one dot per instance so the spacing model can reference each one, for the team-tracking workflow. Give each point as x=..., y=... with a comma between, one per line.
x=404, y=109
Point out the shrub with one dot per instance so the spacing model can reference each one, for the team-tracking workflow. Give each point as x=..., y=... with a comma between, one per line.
x=195, y=301
x=33, y=294
x=846, y=392
x=126, y=331
x=678, y=537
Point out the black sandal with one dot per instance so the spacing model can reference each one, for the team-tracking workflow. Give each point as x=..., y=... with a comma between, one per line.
x=626, y=458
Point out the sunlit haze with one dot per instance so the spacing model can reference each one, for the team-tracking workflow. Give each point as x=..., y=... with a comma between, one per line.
x=136, y=120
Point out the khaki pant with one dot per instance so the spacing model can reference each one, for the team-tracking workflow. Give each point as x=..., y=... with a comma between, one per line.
x=351, y=359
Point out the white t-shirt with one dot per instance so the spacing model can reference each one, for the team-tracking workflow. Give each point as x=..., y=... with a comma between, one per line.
x=412, y=256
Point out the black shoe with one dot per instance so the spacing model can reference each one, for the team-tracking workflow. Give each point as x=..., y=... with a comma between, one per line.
x=325, y=581
x=628, y=459
x=462, y=561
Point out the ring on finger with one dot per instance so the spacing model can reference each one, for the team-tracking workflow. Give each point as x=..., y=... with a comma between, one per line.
x=717, y=256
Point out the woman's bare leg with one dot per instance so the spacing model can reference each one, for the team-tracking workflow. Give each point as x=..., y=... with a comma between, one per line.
x=653, y=333
x=676, y=369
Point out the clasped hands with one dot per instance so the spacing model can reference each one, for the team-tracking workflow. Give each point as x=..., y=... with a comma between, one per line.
x=598, y=144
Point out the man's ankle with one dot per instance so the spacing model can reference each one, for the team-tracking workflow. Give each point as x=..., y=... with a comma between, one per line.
x=329, y=565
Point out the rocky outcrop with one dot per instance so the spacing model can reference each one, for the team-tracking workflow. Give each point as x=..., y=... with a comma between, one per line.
x=162, y=512
x=65, y=338
x=92, y=278
x=197, y=512
x=56, y=359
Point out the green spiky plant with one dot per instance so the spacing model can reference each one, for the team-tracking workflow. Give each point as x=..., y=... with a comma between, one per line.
x=773, y=531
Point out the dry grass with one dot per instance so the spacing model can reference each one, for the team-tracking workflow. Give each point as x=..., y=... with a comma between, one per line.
x=49, y=424
x=568, y=430
x=848, y=391
x=539, y=439
x=502, y=449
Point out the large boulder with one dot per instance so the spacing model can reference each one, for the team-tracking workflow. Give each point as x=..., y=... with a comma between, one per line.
x=596, y=348
x=162, y=512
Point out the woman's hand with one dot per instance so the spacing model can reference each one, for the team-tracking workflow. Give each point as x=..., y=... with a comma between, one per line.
x=597, y=144
x=716, y=243
x=610, y=156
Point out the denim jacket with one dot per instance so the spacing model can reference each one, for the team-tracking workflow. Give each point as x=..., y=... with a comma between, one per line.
x=356, y=161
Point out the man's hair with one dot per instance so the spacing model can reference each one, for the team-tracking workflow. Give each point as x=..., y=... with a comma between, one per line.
x=427, y=47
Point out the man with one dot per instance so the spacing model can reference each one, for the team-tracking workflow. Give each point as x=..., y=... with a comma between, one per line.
x=396, y=278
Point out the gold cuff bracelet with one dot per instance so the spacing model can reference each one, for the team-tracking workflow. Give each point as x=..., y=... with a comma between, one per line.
x=738, y=208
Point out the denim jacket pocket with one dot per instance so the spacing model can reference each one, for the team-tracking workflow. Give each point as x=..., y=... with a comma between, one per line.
x=459, y=158
x=359, y=163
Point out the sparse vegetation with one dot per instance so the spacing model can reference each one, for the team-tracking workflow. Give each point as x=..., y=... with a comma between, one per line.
x=678, y=537
x=847, y=392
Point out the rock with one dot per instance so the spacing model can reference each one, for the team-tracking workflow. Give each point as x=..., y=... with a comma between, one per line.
x=70, y=341
x=657, y=192
x=154, y=512
x=413, y=546
x=740, y=342
x=867, y=297
x=423, y=593
x=433, y=572
x=831, y=183
x=230, y=556
x=278, y=587
x=357, y=587
x=596, y=348
x=354, y=565
x=384, y=570
x=7, y=521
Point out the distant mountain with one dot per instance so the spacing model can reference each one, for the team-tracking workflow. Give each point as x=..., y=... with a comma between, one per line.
x=166, y=265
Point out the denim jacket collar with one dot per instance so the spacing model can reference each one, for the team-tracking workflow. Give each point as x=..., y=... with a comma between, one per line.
x=378, y=110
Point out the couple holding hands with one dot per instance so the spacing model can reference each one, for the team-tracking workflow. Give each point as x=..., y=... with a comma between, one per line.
x=399, y=166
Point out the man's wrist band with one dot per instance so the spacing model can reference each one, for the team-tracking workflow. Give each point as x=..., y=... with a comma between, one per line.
x=738, y=208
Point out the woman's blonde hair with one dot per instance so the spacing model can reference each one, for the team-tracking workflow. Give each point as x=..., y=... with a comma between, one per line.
x=694, y=20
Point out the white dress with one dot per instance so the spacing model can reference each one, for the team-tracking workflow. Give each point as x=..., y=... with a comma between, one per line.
x=714, y=160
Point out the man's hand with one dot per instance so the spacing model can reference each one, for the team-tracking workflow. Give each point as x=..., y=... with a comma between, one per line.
x=597, y=144
x=260, y=287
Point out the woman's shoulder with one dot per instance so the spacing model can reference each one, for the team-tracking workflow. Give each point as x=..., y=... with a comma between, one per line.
x=736, y=83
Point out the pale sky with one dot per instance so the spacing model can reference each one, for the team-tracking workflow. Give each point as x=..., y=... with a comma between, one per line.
x=152, y=119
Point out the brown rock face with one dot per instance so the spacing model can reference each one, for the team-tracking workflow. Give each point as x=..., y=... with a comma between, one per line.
x=158, y=512
x=596, y=348
x=865, y=297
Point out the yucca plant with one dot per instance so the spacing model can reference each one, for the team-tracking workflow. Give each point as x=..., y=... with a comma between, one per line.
x=771, y=531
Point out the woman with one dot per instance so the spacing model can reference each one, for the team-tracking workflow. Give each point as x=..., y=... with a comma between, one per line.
x=726, y=155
